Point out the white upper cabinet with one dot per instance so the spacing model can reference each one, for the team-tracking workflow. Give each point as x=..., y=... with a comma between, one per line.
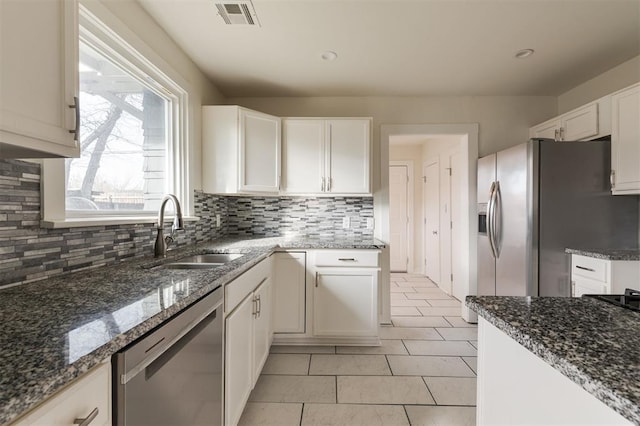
x=590, y=121
x=38, y=78
x=240, y=150
x=327, y=156
x=625, y=141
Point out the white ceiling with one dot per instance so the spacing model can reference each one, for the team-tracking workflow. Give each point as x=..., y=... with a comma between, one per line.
x=405, y=47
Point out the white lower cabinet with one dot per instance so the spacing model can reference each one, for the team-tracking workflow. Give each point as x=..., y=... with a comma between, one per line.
x=590, y=275
x=90, y=394
x=289, y=292
x=238, y=368
x=345, y=302
x=331, y=300
x=248, y=336
x=262, y=331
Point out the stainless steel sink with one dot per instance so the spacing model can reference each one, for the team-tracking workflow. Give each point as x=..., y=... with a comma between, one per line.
x=203, y=261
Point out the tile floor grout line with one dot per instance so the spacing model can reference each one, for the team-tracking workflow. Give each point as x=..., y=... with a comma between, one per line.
x=429, y=390
x=404, y=407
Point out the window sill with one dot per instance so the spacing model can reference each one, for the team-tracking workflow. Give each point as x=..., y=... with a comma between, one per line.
x=105, y=221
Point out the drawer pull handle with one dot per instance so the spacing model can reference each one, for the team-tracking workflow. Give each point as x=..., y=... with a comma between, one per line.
x=347, y=259
x=585, y=268
x=88, y=419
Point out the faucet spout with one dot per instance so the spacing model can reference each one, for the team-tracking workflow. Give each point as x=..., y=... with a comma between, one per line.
x=162, y=242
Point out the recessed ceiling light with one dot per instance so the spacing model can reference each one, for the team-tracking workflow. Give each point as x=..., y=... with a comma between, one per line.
x=524, y=53
x=329, y=55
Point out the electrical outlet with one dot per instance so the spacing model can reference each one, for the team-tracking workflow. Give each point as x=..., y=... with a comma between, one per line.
x=218, y=221
x=370, y=223
x=346, y=222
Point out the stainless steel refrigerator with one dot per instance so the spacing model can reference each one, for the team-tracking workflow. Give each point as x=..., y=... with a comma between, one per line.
x=538, y=198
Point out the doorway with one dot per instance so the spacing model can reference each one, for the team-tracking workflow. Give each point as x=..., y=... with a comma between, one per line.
x=463, y=263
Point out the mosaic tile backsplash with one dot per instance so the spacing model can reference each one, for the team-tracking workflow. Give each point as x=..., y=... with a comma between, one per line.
x=29, y=252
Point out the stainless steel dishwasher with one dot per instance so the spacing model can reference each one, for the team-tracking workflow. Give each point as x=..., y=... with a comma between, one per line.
x=173, y=376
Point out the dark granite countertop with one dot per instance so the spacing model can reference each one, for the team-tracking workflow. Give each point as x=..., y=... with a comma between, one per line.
x=593, y=343
x=53, y=331
x=607, y=254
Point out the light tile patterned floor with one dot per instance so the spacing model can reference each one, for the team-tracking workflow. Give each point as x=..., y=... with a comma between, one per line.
x=423, y=374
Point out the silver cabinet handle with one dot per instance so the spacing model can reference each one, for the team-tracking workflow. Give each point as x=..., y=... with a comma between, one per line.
x=328, y=184
x=88, y=419
x=573, y=288
x=322, y=185
x=259, y=306
x=316, y=278
x=254, y=308
x=584, y=268
x=561, y=133
x=76, y=129
x=346, y=259
x=555, y=134
x=612, y=179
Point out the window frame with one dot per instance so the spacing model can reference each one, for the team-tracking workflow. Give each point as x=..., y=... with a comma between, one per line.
x=105, y=40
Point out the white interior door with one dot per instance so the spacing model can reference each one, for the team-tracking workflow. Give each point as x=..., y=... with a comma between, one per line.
x=432, y=221
x=398, y=217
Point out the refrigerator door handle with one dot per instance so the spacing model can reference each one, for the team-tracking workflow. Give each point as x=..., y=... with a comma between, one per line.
x=490, y=223
x=496, y=217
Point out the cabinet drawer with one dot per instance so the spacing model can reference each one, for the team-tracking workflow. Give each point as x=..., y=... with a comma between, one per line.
x=91, y=391
x=588, y=286
x=355, y=258
x=589, y=267
x=238, y=289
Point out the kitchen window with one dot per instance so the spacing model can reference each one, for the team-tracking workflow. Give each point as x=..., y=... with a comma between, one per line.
x=132, y=137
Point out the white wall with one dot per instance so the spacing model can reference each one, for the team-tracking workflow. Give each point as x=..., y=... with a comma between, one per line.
x=134, y=25
x=616, y=78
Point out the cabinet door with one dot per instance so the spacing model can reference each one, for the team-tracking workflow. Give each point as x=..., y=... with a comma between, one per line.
x=259, y=152
x=548, y=129
x=348, y=154
x=238, y=357
x=583, y=285
x=303, y=159
x=625, y=141
x=289, y=293
x=262, y=327
x=38, y=78
x=345, y=302
x=580, y=124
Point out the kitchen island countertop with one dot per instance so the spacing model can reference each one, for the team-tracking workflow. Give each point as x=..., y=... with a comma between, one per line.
x=53, y=331
x=593, y=343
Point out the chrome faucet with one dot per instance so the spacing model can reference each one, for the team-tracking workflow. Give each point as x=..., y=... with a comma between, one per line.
x=162, y=242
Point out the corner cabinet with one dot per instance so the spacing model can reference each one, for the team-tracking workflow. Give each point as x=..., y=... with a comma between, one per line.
x=327, y=156
x=38, y=78
x=625, y=141
x=240, y=150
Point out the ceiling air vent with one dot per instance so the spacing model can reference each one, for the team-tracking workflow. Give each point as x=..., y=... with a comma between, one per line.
x=237, y=13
